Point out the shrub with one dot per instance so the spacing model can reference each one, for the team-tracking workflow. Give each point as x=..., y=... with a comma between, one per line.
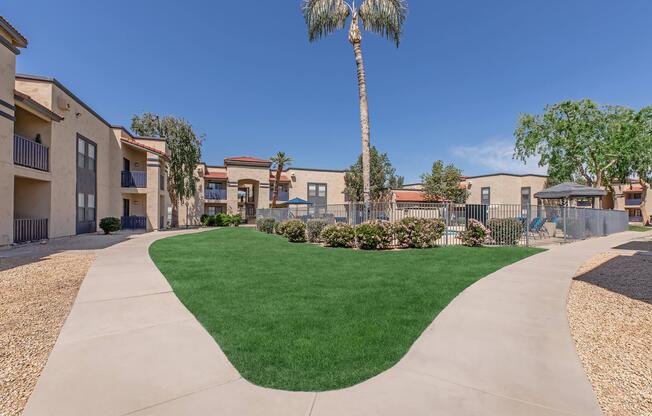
x=265, y=225
x=295, y=231
x=374, y=235
x=234, y=220
x=505, y=231
x=314, y=228
x=205, y=219
x=279, y=228
x=110, y=224
x=418, y=232
x=476, y=234
x=338, y=235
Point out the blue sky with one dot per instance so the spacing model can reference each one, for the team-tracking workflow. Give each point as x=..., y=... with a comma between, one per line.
x=243, y=72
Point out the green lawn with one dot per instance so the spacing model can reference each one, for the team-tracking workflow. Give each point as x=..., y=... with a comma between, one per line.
x=304, y=317
x=639, y=228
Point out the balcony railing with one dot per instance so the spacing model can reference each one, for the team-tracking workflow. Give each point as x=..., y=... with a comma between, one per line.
x=216, y=194
x=633, y=202
x=282, y=195
x=30, y=230
x=133, y=222
x=134, y=179
x=31, y=154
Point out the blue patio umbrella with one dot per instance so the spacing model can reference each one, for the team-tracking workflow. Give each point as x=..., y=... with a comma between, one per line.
x=298, y=201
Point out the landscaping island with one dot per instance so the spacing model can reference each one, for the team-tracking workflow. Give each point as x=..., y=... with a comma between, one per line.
x=304, y=317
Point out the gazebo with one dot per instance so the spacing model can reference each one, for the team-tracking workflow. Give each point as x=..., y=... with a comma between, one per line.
x=568, y=192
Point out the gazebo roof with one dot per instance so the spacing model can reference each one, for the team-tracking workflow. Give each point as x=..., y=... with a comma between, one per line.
x=570, y=190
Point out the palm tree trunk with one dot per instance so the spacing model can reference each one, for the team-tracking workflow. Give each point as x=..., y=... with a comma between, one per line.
x=355, y=38
x=277, y=179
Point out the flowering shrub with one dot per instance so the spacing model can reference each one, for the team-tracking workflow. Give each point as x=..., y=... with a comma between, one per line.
x=279, y=227
x=505, y=231
x=475, y=235
x=314, y=228
x=374, y=235
x=418, y=232
x=338, y=235
x=295, y=231
x=265, y=225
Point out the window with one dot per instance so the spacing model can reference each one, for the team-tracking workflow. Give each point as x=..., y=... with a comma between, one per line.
x=90, y=207
x=80, y=206
x=526, y=197
x=91, y=157
x=317, y=194
x=161, y=182
x=485, y=196
x=81, y=151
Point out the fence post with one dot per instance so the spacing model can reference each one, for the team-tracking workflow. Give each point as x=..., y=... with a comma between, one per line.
x=447, y=214
x=565, y=216
x=527, y=225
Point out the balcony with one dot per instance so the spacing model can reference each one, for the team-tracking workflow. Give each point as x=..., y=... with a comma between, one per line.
x=633, y=202
x=131, y=179
x=30, y=154
x=282, y=195
x=30, y=230
x=215, y=194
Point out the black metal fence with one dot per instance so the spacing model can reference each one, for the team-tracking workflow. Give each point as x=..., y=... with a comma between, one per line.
x=509, y=224
x=30, y=230
x=133, y=222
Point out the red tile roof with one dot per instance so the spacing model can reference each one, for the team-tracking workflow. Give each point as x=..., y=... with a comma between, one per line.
x=413, y=196
x=272, y=177
x=635, y=187
x=246, y=159
x=143, y=146
x=215, y=175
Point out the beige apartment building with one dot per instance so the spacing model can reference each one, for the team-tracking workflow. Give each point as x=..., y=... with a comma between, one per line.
x=243, y=185
x=62, y=166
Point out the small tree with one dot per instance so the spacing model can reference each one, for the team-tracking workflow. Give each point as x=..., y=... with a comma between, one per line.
x=383, y=177
x=279, y=162
x=185, y=154
x=443, y=182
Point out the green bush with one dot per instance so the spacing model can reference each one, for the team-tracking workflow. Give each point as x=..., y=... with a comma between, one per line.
x=475, y=235
x=418, y=232
x=110, y=224
x=295, y=231
x=314, y=228
x=338, y=235
x=279, y=228
x=205, y=219
x=265, y=225
x=374, y=235
x=506, y=231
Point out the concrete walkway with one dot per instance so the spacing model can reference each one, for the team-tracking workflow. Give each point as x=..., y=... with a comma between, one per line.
x=502, y=347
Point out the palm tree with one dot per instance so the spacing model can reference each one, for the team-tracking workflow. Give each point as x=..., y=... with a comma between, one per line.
x=279, y=161
x=385, y=17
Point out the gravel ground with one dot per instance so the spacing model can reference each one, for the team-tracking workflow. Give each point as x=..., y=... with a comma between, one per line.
x=610, y=315
x=36, y=296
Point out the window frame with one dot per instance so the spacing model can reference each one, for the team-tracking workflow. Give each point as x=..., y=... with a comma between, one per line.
x=488, y=189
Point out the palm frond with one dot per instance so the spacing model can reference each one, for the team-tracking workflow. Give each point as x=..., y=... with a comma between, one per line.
x=385, y=17
x=324, y=16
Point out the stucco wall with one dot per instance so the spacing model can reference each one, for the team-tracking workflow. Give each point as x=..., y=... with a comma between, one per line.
x=505, y=189
x=300, y=179
x=7, y=75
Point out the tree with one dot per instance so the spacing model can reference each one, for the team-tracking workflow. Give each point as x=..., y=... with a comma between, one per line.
x=577, y=140
x=382, y=175
x=443, y=182
x=185, y=154
x=279, y=161
x=396, y=182
x=385, y=17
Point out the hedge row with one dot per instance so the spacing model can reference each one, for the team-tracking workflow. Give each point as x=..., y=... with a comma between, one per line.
x=372, y=235
x=221, y=220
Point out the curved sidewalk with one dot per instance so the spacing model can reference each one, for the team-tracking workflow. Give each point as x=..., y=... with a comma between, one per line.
x=502, y=347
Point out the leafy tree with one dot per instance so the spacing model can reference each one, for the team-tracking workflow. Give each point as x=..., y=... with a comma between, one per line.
x=443, y=182
x=583, y=142
x=185, y=154
x=383, y=177
x=385, y=17
x=396, y=182
x=279, y=162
